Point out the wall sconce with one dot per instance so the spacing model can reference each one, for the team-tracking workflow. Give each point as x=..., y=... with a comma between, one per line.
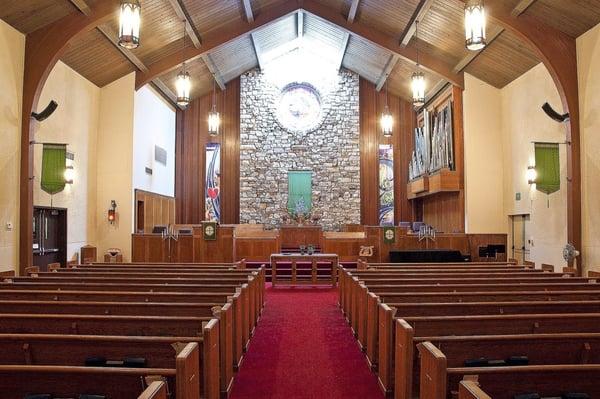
x=69, y=174
x=112, y=212
x=531, y=174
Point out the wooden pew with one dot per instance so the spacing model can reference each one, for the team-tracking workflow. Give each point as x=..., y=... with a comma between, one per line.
x=117, y=383
x=158, y=352
x=156, y=390
x=388, y=313
x=224, y=313
x=438, y=380
x=569, y=348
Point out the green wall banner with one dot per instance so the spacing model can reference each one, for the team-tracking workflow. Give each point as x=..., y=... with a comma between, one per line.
x=54, y=164
x=299, y=192
x=547, y=167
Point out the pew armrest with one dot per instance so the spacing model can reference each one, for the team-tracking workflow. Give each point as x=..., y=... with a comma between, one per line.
x=471, y=390
x=434, y=374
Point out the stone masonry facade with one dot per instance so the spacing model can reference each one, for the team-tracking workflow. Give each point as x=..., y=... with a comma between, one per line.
x=268, y=151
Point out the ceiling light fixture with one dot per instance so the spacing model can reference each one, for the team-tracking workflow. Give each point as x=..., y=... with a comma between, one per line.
x=183, y=85
x=387, y=120
x=418, y=78
x=475, y=25
x=129, y=24
x=214, y=119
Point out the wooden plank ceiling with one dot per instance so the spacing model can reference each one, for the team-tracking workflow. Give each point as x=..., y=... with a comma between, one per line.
x=96, y=56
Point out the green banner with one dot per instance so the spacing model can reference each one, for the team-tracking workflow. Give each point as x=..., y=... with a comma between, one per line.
x=299, y=192
x=54, y=164
x=547, y=167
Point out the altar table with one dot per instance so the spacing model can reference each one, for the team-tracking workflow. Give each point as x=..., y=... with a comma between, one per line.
x=294, y=258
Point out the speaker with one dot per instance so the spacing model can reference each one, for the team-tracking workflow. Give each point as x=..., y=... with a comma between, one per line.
x=49, y=110
x=560, y=118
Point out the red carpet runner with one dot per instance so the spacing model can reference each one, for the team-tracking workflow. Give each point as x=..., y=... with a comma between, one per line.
x=303, y=348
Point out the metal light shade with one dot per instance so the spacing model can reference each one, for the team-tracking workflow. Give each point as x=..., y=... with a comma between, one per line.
x=69, y=174
x=531, y=174
x=387, y=122
x=418, y=89
x=183, y=86
x=475, y=25
x=129, y=24
x=214, y=122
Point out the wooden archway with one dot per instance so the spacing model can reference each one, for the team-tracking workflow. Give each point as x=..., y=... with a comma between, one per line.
x=45, y=46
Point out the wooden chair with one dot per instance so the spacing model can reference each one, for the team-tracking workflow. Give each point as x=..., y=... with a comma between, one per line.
x=547, y=268
x=53, y=267
x=32, y=271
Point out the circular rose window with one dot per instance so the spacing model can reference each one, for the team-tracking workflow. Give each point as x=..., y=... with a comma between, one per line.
x=299, y=107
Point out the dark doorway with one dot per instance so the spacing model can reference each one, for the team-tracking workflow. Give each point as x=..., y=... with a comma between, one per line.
x=49, y=236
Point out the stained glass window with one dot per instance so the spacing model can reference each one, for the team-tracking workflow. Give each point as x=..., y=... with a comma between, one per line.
x=299, y=107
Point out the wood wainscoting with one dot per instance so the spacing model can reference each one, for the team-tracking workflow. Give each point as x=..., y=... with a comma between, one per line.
x=151, y=210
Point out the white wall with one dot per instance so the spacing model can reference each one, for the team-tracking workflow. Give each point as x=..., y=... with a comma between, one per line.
x=114, y=157
x=484, y=172
x=154, y=124
x=74, y=122
x=523, y=122
x=12, y=50
x=588, y=61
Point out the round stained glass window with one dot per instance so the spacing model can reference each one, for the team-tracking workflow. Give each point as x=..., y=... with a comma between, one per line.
x=299, y=107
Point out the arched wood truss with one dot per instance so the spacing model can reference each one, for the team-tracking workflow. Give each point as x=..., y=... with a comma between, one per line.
x=45, y=46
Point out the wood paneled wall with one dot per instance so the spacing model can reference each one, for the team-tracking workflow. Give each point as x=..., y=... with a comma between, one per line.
x=372, y=104
x=191, y=139
x=152, y=209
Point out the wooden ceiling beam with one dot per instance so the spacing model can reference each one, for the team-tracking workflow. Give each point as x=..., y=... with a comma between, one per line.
x=214, y=70
x=113, y=38
x=257, y=51
x=183, y=15
x=300, y=24
x=428, y=62
x=164, y=90
x=418, y=16
x=492, y=35
x=82, y=6
x=343, y=48
x=216, y=38
x=435, y=89
x=521, y=7
x=248, y=11
x=389, y=66
x=353, y=10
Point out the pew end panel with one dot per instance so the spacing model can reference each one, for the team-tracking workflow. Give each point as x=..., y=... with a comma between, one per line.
x=471, y=390
x=385, y=347
x=433, y=378
x=211, y=359
x=187, y=369
x=363, y=293
x=372, y=329
x=225, y=315
x=403, y=370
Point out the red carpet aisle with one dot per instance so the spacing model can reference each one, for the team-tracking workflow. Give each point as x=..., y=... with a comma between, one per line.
x=303, y=348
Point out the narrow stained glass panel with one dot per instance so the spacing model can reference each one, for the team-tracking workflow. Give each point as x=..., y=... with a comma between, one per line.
x=213, y=183
x=386, y=184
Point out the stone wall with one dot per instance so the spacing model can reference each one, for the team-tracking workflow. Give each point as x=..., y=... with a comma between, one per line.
x=330, y=150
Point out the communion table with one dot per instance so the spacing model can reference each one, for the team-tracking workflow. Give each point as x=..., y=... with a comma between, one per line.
x=296, y=278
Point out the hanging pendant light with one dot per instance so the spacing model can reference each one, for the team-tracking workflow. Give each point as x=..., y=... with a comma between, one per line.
x=214, y=119
x=129, y=24
x=387, y=120
x=183, y=85
x=475, y=25
x=418, y=89
x=418, y=78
